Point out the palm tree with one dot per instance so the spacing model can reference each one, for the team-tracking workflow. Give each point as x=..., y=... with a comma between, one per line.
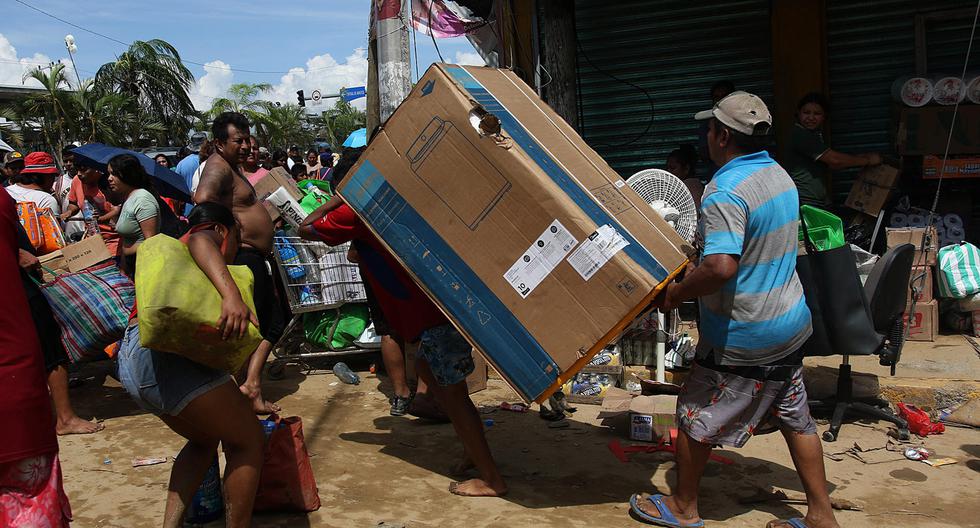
x=51, y=109
x=338, y=123
x=283, y=125
x=152, y=75
x=104, y=118
x=242, y=97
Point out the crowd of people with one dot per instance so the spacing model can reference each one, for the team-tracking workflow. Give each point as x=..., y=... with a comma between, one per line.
x=747, y=378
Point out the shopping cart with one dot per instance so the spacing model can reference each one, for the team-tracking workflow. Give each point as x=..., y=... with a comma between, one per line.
x=317, y=278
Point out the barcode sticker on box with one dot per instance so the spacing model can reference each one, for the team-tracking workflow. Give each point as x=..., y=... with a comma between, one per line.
x=596, y=251
x=540, y=259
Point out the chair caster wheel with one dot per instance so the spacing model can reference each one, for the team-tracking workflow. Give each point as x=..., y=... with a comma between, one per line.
x=829, y=436
x=277, y=371
x=903, y=434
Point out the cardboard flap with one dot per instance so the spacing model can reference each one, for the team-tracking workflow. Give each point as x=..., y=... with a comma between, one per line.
x=86, y=253
x=616, y=403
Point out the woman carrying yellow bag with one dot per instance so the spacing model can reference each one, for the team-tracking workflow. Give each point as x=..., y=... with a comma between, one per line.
x=200, y=403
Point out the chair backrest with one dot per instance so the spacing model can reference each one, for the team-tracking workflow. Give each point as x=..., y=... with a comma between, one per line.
x=887, y=287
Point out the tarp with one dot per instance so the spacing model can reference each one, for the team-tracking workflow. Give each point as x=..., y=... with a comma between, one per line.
x=168, y=183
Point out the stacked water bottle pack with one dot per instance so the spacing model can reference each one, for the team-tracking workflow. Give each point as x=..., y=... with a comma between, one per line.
x=317, y=274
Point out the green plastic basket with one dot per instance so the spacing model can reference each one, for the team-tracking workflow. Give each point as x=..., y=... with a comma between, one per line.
x=826, y=229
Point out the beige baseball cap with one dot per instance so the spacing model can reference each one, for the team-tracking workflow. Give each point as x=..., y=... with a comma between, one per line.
x=741, y=111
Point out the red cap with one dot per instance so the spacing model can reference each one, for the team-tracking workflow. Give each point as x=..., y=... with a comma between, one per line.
x=39, y=163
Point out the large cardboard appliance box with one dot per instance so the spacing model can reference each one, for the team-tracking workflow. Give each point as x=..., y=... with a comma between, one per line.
x=534, y=247
x=921, y=279
x=924, y=322
x=925, y=254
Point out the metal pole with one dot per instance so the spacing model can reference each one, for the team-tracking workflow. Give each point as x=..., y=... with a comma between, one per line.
x=394, y=59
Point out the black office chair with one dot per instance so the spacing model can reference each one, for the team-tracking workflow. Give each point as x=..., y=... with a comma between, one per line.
x=845, y=330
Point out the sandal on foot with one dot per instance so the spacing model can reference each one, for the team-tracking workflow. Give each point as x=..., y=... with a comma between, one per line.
x=666, y=518
x=795, y=522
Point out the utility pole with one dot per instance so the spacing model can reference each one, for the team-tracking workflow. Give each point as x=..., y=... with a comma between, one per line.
x=394, y=58
x=373, y=110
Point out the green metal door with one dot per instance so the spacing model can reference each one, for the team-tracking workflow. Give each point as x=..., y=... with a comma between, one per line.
x=674, y=51
x=869, y=45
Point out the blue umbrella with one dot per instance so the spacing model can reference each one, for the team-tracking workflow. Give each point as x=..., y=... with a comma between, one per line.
x=357, y=138
x=168, y=183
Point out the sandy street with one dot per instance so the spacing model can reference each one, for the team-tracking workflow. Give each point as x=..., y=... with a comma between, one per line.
x=372, y=468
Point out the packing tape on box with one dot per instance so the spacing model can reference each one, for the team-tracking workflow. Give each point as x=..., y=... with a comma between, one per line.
x=917, y=220
x=899, y=220
x=953, y=220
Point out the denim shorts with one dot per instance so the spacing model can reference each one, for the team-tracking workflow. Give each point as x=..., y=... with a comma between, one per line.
x=160, y=382
x=449, y=354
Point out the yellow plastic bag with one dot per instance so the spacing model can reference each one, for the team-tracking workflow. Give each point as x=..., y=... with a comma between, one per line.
x=179, y=307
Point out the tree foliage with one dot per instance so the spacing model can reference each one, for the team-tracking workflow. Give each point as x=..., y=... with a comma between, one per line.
x=151, y=74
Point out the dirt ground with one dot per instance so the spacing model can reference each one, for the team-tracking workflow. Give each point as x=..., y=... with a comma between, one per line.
x=373, y=469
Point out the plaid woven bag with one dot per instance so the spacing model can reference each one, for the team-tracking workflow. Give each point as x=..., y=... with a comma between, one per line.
x=92, y=308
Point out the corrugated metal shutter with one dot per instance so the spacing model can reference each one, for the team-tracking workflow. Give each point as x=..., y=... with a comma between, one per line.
x=870, y=43
x=673, y=49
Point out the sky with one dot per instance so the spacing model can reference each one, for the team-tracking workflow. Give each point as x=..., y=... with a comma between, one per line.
x=310, y=45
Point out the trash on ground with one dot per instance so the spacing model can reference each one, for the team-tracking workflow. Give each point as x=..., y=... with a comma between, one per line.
x=149, y=461
x=622, y=452
x=514, y=407
x=774, y=494
x=919, y=421
x=917, y=453
x=937, y=462
x=106, y=461
x=345, y=374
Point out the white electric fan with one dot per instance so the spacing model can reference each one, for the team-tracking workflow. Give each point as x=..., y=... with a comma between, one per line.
x=670, y=198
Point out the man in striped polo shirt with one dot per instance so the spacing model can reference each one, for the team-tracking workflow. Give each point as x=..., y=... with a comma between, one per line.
x=747, y=378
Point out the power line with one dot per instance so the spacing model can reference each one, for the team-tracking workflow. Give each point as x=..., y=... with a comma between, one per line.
x=107, y=37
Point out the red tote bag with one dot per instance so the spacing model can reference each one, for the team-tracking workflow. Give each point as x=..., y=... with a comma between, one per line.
x=287, y=482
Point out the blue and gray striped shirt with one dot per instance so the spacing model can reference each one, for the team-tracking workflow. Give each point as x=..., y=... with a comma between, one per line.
x=751, y=210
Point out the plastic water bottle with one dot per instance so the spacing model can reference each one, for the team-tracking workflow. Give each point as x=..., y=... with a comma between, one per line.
x=91, y=223
x=345, y=374
x=316, y=190
x=310, y=293
x=207, y=505
x=290, y=259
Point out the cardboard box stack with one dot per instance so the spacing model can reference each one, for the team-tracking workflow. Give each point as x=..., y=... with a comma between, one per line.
x=924, y=320
x=591, y=384
x=529, y=242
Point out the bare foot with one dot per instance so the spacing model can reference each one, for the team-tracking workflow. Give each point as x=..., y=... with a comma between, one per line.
x=649, y=508
x=476, y=488
x=76, y=425
x=259, y=404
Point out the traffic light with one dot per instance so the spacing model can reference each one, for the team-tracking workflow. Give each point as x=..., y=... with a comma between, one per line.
x=300, y=97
